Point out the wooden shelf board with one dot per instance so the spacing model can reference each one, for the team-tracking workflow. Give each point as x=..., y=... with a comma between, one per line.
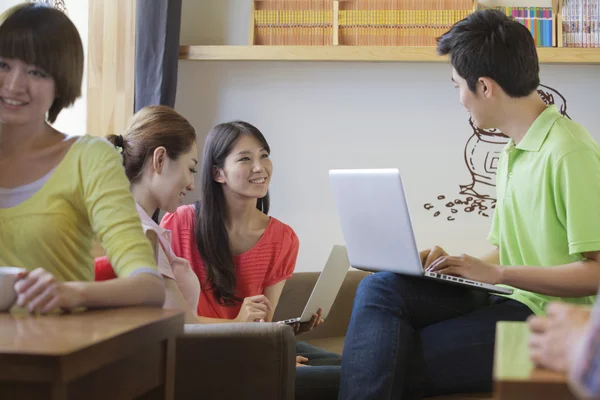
x=550, y=55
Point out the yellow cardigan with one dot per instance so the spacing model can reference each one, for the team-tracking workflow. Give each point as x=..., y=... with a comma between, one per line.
x=86, y=196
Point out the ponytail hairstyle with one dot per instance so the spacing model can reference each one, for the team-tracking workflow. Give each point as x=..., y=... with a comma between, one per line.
x=150, y=128
x=211, y=232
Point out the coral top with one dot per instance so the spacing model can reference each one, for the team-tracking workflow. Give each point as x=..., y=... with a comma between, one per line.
x=270, y=261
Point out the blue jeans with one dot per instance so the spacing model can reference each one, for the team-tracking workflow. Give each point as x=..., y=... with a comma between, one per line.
x=320, y=379
x=411, y=337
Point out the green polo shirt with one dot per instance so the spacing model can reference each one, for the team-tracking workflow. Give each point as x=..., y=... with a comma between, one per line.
x=548, y=200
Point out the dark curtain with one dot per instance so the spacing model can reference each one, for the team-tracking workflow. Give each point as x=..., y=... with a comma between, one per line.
x=158, y=23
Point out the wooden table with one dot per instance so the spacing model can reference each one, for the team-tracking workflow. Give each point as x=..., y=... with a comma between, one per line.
x=515, y=376
x=111, y=354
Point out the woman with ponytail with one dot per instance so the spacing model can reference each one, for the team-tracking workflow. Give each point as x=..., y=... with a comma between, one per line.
x=159, y=155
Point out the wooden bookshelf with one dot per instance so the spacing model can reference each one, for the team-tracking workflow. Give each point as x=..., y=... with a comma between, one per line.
x=547, y=55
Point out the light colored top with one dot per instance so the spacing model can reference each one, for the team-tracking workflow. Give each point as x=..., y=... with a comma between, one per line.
x=14, y=197
x=169, y=265
x=548, y=197
x=271, y=260
x=86, y=196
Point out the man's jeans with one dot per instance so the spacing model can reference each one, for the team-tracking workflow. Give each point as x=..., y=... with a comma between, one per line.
x=411, y=337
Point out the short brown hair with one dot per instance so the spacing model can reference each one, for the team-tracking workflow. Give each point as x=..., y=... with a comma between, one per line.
x=45, y=37
x=150, y=128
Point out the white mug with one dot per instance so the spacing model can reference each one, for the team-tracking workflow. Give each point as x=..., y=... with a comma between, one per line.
x=8, y=295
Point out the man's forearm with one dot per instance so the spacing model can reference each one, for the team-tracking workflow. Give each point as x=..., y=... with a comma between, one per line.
x=493, y=257
x=577, y=279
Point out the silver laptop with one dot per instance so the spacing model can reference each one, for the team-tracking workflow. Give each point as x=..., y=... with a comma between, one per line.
x=327, y=287
x=377, y=228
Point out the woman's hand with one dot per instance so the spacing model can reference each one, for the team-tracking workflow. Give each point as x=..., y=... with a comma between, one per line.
x=553, y=338
x=39, y=290
x=300, y=360
x=302, y=327
x=254, y=309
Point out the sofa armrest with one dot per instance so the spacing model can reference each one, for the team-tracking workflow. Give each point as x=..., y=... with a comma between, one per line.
x=236, y=361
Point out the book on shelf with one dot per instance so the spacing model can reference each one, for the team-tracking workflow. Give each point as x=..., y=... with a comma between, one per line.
x=539, y=21
x=293, y=22
x=568, y=23
x=580, y=23
x=399, y=22
x=358, y=22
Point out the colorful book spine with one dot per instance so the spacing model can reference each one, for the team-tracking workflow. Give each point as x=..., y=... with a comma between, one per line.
x=538, y=21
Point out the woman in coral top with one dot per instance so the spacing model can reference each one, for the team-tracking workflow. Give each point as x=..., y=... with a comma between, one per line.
x=242, y=256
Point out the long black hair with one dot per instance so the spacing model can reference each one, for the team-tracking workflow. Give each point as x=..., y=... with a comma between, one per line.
x=211, y=232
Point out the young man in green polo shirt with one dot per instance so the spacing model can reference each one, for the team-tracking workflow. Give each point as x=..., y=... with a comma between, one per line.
x=413, y=338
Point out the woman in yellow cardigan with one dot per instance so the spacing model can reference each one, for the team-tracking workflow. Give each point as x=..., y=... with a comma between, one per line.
x=58, y=192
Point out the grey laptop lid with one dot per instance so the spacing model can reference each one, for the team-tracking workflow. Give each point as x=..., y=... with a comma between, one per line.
x=328, y=285
x=375, y=220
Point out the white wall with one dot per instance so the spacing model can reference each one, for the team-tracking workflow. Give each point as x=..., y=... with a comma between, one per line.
x=319, y=115
x=72, y=120
x=4, y=4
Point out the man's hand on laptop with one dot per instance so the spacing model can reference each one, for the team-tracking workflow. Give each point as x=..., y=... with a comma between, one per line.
x=316, y=320
x=428, y=256
x=468, y=267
